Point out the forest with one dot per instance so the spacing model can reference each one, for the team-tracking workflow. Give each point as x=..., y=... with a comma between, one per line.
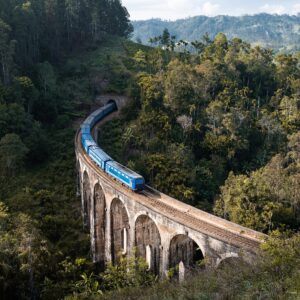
x=279, y=32
x=217, y=129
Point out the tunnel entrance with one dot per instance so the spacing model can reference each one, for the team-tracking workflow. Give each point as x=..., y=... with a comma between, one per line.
x=119, y=230
x=113, y=102
x=147, y=241
x=99, y=225
x=186, y=251
x=86, y=201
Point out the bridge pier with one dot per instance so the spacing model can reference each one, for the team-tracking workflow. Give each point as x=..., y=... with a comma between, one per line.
x=164, y=258
x=108, y=255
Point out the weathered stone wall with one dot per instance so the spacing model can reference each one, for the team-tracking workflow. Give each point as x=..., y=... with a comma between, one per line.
x=148, y=241
x=119, y=225
x=99, y=224
x=184, y=249
x=86, y=199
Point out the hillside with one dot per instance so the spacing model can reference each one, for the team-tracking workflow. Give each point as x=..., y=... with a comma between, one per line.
x=280, y=32
x=219, y=131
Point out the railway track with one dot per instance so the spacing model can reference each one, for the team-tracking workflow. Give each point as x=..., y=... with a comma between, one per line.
x=205, y=227
x=222, y=230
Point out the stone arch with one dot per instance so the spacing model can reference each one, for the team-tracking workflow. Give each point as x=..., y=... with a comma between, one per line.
x=148, y=241
x=184, y=249
x=86, y=203
x=119, y=230
x=230, y=260
x=99, y=225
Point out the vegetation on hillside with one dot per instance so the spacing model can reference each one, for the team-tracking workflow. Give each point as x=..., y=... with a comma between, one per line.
x=218, y=130
x=274, y=276
x=43, y=249
x=279, y=32
x=229, y=117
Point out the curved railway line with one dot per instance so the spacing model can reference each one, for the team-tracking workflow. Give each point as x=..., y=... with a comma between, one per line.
x=182, y=213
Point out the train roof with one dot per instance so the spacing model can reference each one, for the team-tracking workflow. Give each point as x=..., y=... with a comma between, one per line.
x=87, y=136
x=124, y=169
x=97, y=112
x=88, y=121
x=90, y=118
x=90, y=143
x=84, y=125
x=103, y=155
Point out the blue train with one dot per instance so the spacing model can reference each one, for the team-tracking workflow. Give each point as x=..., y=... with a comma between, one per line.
x=126, y=176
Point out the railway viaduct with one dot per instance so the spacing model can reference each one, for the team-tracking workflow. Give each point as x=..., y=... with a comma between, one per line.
x=164, y=231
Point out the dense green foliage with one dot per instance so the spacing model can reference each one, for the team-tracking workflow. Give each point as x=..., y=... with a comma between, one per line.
x=39, y=30
x=268, y=197
x=274, y=276
x=231, y=108
x=279, y=32
x=41, y=92
x=35, y=36
x=192, y=123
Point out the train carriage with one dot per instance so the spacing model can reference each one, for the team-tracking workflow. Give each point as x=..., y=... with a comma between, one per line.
x=128, y=177
x=97, y=116
x=125, y=175
x=88, y=121
x=85, y=129
x=99, y=156
x=87, y=141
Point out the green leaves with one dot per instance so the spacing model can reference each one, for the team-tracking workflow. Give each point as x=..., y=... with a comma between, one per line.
x=88, y=285
x=7, y=50
x=130, y=272
x=262, y=199
x=12, y=154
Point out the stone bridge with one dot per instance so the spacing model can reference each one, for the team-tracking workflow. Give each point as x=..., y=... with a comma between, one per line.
x=150, y=224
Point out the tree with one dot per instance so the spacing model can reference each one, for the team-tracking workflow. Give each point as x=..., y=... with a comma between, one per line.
x=130, y=272
x=182, y=88
x=45, y=109
x=165, y=38
x=25, y=90
x=12, y=154
x=280, y=257
x=140, y=59
x=289, y=112
x=269, y=197
x=7, y=48
x=27, y=32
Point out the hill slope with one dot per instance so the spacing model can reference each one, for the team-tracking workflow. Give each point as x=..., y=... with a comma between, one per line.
x=280, y=32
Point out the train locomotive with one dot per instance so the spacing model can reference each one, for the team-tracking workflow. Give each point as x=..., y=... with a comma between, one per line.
x=119, y=172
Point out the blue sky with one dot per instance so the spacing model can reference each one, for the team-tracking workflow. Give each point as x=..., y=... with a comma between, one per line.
x=175, y=9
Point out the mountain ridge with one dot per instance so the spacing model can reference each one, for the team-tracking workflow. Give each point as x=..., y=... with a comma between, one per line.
x=279, y=32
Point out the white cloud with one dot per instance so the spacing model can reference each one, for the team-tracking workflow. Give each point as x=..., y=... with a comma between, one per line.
x=296, y=8
x=170, y=9
x=210, y=9
x=273, y=9
x=177, y=9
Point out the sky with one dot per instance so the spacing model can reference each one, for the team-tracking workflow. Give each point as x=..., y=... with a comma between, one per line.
x=178, y=9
